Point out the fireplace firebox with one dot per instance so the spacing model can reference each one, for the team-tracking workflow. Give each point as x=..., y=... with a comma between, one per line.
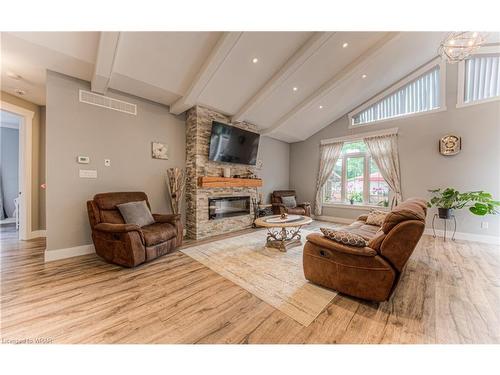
x=220, y=207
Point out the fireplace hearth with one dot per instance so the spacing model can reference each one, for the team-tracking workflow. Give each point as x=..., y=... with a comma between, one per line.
x=220, y=207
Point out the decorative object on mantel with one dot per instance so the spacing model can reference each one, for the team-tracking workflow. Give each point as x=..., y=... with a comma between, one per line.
x=450, y=145
x=226, y=172
x=159, y=150
x=176, y=183
x=446, y=200
x=458, y=46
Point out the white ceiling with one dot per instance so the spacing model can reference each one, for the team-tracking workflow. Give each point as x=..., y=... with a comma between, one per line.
x=215, y=69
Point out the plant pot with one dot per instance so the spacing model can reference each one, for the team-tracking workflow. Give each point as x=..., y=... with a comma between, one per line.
x=352, y=201
x=444, y=213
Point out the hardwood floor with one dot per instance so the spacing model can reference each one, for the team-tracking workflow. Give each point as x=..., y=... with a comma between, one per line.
x=449, y=293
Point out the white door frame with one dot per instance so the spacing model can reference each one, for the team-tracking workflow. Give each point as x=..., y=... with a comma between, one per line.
x=25, y=160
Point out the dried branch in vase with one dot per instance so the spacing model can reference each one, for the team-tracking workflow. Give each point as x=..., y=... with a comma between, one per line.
x=176, y=182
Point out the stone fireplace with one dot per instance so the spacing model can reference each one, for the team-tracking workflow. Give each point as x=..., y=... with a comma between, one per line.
x=198, y=222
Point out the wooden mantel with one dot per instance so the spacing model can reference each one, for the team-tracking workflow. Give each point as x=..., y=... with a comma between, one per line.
x=214, y=182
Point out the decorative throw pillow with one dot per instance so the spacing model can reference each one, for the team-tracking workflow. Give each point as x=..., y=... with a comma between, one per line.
x=137, y=213
x=376, y=217
x=289, y=202
x=346, y=238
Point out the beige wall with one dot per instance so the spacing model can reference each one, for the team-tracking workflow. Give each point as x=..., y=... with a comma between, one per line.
x=41, y=168
x=422, y=167
x=38, y=159
x=275, y=172
x=75, y=128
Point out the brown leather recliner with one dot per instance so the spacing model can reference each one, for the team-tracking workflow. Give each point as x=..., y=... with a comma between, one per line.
x=278, y=206
x=127, y=244
x=370, y=272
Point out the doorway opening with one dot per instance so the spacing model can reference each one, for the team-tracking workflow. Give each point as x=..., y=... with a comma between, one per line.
x=15, y=170
x=10, y=167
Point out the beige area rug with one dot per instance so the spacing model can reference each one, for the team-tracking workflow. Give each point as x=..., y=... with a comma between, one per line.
x=273, y=276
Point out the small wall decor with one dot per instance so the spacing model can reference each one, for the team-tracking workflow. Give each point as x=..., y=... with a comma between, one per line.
x=450, y=145
x=159, y=150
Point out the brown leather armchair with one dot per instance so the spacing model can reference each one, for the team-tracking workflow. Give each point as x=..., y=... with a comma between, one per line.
x=370, y=272
x=127, y=244
x=278, y=206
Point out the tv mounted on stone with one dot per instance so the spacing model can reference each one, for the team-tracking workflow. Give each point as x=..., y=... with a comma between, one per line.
x=229, y=144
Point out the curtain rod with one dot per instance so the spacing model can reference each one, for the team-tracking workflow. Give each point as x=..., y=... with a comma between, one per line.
x=358, y=136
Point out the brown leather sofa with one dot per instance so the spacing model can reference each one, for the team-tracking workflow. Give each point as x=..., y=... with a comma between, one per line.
x=278, y=206
x=127, y=244
x=370, y=272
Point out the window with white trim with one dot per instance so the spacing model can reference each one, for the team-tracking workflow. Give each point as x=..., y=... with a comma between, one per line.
x=420, y=92
x=482, y=78
x=356, y=179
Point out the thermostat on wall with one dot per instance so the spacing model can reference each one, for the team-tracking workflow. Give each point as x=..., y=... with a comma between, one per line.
x=83, y=159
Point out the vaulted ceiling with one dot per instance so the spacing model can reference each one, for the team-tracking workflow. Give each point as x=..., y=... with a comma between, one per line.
x=289, y=84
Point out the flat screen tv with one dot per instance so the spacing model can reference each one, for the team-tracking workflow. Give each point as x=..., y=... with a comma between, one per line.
x=229, y=144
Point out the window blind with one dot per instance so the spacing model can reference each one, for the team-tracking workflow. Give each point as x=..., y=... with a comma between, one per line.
x=482, y=78
x=420, y=95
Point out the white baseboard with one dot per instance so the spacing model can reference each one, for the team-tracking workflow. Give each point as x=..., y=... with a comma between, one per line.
x=465, y=236
x=38, y=233
x=51, y=255
x=333, y=219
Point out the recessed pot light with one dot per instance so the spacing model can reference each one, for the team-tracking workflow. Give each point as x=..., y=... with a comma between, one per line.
x=364, y=76
x=295, y=88
x=320, y=107
x=345, y=45
x=255, y=60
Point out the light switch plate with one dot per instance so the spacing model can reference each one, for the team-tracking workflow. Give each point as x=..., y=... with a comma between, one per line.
x=107, y=162
x=484, y=225
x=88, y=173
x=83, y=159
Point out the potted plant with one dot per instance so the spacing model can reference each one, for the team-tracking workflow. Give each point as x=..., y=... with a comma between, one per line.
x=446, y=200
x=384, y=203
x=356, y=197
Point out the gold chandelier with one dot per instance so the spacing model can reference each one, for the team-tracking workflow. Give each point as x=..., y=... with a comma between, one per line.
x=460, y=45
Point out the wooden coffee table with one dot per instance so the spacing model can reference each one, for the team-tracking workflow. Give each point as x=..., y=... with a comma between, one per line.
x=283, y=234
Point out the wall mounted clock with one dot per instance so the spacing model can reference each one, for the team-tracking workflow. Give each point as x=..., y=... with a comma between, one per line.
x=450, y=145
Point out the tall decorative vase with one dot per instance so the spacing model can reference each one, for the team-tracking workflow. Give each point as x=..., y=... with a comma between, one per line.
x=176, y=183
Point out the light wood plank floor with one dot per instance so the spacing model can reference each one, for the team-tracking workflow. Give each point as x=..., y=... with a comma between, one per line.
x=449, y=293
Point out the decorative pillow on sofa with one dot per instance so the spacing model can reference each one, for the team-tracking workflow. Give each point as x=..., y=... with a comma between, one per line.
x=343, y=237
x=289, y=202
x=137, y=213
x=376, y=217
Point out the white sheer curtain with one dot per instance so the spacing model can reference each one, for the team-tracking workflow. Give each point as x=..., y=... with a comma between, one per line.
x=420, y=95
x=384, y=151
x=329, y=155
x=482, y=78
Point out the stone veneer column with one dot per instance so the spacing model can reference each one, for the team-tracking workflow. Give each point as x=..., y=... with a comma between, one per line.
x=198, y=131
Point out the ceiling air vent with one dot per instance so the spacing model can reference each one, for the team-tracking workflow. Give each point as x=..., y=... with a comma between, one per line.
x=107, y=102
